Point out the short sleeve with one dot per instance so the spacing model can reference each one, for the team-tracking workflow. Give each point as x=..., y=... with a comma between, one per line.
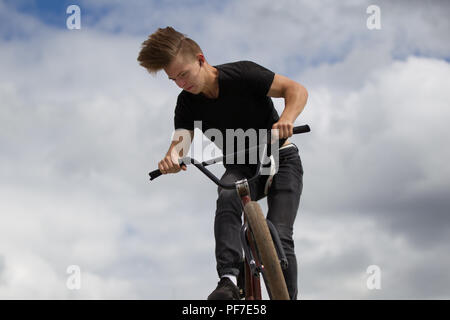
x=258, y=79
x=183, y=118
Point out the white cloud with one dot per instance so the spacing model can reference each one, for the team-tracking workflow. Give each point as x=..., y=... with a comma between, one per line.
x=334, y=255
x=393, y=125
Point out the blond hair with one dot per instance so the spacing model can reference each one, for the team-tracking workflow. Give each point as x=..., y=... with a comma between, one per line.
x=163, y=46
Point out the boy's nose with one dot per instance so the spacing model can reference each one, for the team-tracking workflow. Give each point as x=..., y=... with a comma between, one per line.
x=181, y=83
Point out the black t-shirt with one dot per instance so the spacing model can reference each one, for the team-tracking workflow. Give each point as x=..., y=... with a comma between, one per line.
x=242, y=104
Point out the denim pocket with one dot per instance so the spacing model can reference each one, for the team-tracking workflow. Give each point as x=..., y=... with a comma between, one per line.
x=291, y=158
x=290, y=174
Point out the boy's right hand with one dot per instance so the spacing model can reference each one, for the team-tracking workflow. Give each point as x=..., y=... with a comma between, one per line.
x=169, y=164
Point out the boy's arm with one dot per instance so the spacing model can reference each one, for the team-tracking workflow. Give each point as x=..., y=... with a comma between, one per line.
x=295, y=97
x=181, y=141
x=179, y=148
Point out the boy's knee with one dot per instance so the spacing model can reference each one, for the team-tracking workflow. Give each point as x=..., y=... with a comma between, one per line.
x=285, y=234
x=227, y=195
x=228, y=200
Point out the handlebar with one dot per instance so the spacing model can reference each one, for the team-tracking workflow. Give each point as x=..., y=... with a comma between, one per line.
x=201, y=165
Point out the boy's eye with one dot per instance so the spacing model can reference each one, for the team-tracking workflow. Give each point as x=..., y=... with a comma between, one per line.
x=181, y=76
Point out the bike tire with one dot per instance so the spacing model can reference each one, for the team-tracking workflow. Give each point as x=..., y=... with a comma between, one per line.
x=273, y=275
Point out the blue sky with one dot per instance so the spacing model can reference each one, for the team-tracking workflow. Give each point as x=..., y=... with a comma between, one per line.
x=154, y=14
x=81, y=124
x=53, y=13
x=49, y=12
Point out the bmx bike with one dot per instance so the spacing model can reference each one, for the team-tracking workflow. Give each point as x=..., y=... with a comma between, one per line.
x=263, y=252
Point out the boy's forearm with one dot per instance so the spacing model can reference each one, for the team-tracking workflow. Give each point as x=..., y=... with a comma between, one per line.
x=181, y=142
x=295, y=101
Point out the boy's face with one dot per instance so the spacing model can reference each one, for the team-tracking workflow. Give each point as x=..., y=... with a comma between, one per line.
x=186, y=74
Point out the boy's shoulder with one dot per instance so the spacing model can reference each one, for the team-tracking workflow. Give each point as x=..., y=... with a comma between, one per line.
x=235, y=64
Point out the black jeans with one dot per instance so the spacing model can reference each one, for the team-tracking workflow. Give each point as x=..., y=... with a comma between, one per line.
x=283, y=200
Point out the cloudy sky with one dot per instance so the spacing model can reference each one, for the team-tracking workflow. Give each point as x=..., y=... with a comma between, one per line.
x=81, y=124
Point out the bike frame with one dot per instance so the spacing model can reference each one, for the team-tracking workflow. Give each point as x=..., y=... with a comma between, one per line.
x=252, y=264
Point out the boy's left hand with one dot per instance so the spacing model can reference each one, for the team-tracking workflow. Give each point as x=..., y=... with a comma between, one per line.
x=282, y=129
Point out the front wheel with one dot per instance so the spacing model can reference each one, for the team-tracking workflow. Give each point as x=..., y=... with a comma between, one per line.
x=273, y=275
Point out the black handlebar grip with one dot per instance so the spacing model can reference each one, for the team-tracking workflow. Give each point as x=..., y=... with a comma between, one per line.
x=154, y=174
x=301, y=129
